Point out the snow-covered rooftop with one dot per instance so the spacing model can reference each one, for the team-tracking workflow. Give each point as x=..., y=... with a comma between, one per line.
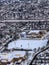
x=9, y=56
x=34, y=31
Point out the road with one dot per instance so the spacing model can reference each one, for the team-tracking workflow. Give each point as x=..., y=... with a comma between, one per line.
x=36, y=20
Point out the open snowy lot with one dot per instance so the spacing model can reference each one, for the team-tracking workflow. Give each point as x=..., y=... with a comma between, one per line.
x=27, y=44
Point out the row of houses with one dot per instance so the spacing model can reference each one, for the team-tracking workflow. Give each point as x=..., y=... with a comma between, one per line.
x=42, y=58
x=18, y=9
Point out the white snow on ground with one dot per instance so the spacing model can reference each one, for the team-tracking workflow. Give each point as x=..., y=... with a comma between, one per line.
x=9, y=56
x=27, y=44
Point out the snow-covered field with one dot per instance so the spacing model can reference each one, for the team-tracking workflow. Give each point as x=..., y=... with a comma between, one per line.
x=27, y=44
